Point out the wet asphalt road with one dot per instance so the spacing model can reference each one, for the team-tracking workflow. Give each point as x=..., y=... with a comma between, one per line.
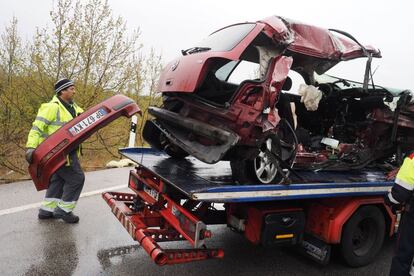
x=99, y=245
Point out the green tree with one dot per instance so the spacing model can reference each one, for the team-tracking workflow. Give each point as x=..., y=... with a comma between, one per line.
x=11, y=98
x=88, y=44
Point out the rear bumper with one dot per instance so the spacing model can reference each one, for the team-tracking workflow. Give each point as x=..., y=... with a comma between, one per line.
x=181, y=130
x=50, y=155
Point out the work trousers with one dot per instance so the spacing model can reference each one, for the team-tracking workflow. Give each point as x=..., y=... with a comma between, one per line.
x=65, y=187
x=403, y=259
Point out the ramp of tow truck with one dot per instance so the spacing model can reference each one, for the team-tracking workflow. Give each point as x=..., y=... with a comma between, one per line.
x=205, y=182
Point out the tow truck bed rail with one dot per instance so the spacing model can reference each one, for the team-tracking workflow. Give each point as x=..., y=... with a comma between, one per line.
x=213, y=183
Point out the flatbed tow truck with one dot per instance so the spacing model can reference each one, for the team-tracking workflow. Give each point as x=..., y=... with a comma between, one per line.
x=176, y=200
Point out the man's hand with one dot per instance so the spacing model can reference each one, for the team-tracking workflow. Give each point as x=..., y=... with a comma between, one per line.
x=394, y=205
x=29, y=155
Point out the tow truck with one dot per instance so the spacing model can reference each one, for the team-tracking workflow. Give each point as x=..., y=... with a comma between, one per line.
x=177, y=200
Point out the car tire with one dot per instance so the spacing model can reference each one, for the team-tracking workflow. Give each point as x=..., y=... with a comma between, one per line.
x=247, y=171
x=362, y=236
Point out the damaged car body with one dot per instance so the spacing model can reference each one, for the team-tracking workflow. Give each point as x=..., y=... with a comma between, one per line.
x=265, y=132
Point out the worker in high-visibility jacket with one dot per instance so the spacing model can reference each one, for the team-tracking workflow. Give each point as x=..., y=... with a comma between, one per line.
x=400, y=195
x=66, y=184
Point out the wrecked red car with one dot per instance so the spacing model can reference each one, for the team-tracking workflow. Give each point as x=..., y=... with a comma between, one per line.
x=227, y=98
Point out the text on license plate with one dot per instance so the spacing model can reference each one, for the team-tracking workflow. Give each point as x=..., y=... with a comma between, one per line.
x=151, y=192
x=88, y=121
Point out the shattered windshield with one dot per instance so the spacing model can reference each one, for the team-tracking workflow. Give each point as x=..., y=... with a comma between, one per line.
x=227, y=38
x=350, y=71
x=341, y=83
x=346, y=84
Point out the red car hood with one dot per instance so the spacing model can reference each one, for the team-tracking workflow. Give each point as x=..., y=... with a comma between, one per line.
x=51, y=154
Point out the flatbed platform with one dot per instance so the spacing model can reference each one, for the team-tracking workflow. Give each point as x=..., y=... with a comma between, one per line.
x=213, y=183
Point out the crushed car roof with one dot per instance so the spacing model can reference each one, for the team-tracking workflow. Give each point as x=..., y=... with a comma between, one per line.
x=315, y=41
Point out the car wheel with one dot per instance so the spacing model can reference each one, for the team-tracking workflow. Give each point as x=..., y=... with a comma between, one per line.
x=263, y=169
x=362, y=236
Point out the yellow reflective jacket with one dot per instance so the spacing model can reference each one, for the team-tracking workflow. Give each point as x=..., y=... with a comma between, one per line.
x=403, y=188
x=50, y=117
x=405, y=176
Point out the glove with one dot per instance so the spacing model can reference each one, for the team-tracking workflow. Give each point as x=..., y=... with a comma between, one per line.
x=29, y=155
x=395, y=207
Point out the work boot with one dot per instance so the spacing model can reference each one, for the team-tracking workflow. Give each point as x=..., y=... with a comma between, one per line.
x=43, y=214
x=66, y=217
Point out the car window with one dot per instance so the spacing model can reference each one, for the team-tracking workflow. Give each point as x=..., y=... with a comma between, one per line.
x=224, y=72
x=227, y=38
x=245, y=70
x=297, y=80
x=350, y=70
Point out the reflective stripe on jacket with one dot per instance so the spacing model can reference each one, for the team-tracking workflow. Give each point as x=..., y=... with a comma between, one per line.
x=50, y=117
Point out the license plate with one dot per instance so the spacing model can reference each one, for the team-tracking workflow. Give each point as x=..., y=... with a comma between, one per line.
x=151, y=192
x=88, y=122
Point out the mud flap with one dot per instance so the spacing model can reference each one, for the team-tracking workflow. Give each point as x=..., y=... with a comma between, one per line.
x=315, y=249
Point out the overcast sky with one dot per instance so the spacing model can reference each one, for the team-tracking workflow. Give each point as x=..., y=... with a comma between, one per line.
x=170, y=26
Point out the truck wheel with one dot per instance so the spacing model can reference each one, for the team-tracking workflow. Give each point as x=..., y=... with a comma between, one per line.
x=362, y=236
x=262, y=169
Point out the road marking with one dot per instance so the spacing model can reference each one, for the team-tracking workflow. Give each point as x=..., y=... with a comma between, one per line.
x=37, y=205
